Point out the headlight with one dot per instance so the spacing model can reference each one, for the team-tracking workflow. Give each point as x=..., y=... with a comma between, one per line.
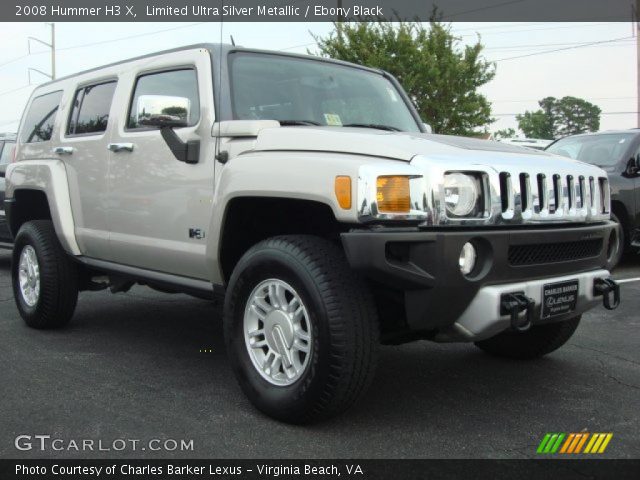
x=462, y=193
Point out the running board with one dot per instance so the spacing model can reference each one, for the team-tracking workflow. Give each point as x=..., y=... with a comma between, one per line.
x=6, y=245
x=192, y=286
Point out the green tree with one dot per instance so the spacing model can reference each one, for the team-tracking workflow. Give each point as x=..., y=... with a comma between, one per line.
x=441, y=77
x=560, y=117
x=505, y=133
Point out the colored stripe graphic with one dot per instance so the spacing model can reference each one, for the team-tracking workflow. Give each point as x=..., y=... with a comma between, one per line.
x=551, y=442
x=598, y=443
x=573, y=443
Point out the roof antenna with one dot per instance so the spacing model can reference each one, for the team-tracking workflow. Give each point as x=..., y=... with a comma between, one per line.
x=233, y=42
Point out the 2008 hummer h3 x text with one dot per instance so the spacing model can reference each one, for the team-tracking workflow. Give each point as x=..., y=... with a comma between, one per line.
x=308, y=193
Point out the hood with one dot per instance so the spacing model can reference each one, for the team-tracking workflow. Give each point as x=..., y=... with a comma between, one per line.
x=379, y=143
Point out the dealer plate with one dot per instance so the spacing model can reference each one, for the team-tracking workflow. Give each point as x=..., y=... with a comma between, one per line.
x=559, y=298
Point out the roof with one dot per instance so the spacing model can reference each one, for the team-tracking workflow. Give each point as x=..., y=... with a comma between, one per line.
x=215, y=49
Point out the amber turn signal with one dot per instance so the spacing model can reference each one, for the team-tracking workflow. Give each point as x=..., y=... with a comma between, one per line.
x=343, y=191
x=393, y=194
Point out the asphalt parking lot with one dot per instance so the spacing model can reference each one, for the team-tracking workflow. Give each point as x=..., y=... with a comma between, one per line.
x=134, y=366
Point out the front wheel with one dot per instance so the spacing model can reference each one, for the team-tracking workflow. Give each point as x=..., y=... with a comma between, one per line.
x=535, y=342
x=300, y=328
x=45, y=279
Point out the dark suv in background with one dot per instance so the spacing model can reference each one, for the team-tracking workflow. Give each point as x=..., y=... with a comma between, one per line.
x=7, y=142
x=617, y=152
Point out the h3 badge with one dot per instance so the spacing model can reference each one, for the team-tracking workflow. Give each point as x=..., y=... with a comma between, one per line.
x=196, y=233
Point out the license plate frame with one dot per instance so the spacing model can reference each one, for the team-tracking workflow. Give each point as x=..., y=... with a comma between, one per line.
x=559, y=298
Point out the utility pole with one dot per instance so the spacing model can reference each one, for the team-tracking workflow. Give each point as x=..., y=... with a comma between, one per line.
x=52, y=46
x=340, y=20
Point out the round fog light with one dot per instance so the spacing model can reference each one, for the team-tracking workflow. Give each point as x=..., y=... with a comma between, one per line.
x=467, y=260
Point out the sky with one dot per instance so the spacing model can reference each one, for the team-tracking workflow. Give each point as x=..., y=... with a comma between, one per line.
x=594, y=61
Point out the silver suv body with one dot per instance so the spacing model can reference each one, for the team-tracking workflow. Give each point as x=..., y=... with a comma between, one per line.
x=307, y=192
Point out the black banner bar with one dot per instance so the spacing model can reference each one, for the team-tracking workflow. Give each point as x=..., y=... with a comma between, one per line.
x=318, y=10
x=315, y=469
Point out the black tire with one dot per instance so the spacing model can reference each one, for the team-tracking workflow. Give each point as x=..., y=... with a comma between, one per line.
x=535, y=342
x=617, y=251
x=58, y=277
x=344, y=326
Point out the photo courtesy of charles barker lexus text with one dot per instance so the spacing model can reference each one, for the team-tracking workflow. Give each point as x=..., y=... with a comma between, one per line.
x=319, y=238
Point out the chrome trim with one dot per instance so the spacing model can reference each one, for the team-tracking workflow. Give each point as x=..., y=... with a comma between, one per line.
x=120, y=147
x=63, y=150
x=366, y=197
x=549, y=194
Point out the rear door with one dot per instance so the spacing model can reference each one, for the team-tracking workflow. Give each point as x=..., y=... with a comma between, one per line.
x=159, y=207
x=82, y=146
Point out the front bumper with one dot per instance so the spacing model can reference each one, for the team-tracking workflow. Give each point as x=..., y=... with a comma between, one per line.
x=436, y=299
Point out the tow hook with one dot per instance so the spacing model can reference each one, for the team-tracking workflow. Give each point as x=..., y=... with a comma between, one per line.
x=605, y=287
x=514, y=303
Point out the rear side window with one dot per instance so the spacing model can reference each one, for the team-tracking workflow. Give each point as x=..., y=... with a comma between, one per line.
x=90, y=112
x=38, y=123
x=176, y=84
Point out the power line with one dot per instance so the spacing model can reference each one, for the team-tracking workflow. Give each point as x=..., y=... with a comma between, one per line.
x=486, y=7
x=590, y=44
x=91, y=44
x=541, y=45
x=541, y=29
x=7, y=92
x=102, y=42
x=601, y=113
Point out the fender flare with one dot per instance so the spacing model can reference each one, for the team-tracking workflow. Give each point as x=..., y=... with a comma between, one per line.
x=50, y=177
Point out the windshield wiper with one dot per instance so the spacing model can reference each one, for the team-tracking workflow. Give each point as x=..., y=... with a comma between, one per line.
x=297, y=122
x=373, y=125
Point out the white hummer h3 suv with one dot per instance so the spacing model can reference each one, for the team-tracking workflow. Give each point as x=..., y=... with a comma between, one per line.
x=306, y=191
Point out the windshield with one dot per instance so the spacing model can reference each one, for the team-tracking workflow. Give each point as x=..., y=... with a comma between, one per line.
x=602, y=150
x=300, y=91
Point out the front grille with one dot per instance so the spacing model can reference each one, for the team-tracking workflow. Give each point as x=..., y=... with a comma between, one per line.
x=538, y=254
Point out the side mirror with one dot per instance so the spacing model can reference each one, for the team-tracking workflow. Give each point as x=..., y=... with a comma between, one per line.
x=633, y=166
x=166, y=113
x=163, y=111
x=427, y=127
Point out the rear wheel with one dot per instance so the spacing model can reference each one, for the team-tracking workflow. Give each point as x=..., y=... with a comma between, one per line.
x=300, y=328
x=45, y=279
x=539, y=340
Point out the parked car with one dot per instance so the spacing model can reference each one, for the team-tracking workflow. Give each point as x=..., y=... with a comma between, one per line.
x=618, y=153
x=7, y=142
x=306, y=191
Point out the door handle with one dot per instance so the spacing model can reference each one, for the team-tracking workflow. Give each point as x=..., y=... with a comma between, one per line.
x=63, y=150
x=120, y=147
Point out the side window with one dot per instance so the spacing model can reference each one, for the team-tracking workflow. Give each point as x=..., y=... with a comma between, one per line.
x=90, y=111
x=5, y=156
x=172, y=93
x=38, y=123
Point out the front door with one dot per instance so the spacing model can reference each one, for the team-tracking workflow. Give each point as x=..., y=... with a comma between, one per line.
x=160, y=207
